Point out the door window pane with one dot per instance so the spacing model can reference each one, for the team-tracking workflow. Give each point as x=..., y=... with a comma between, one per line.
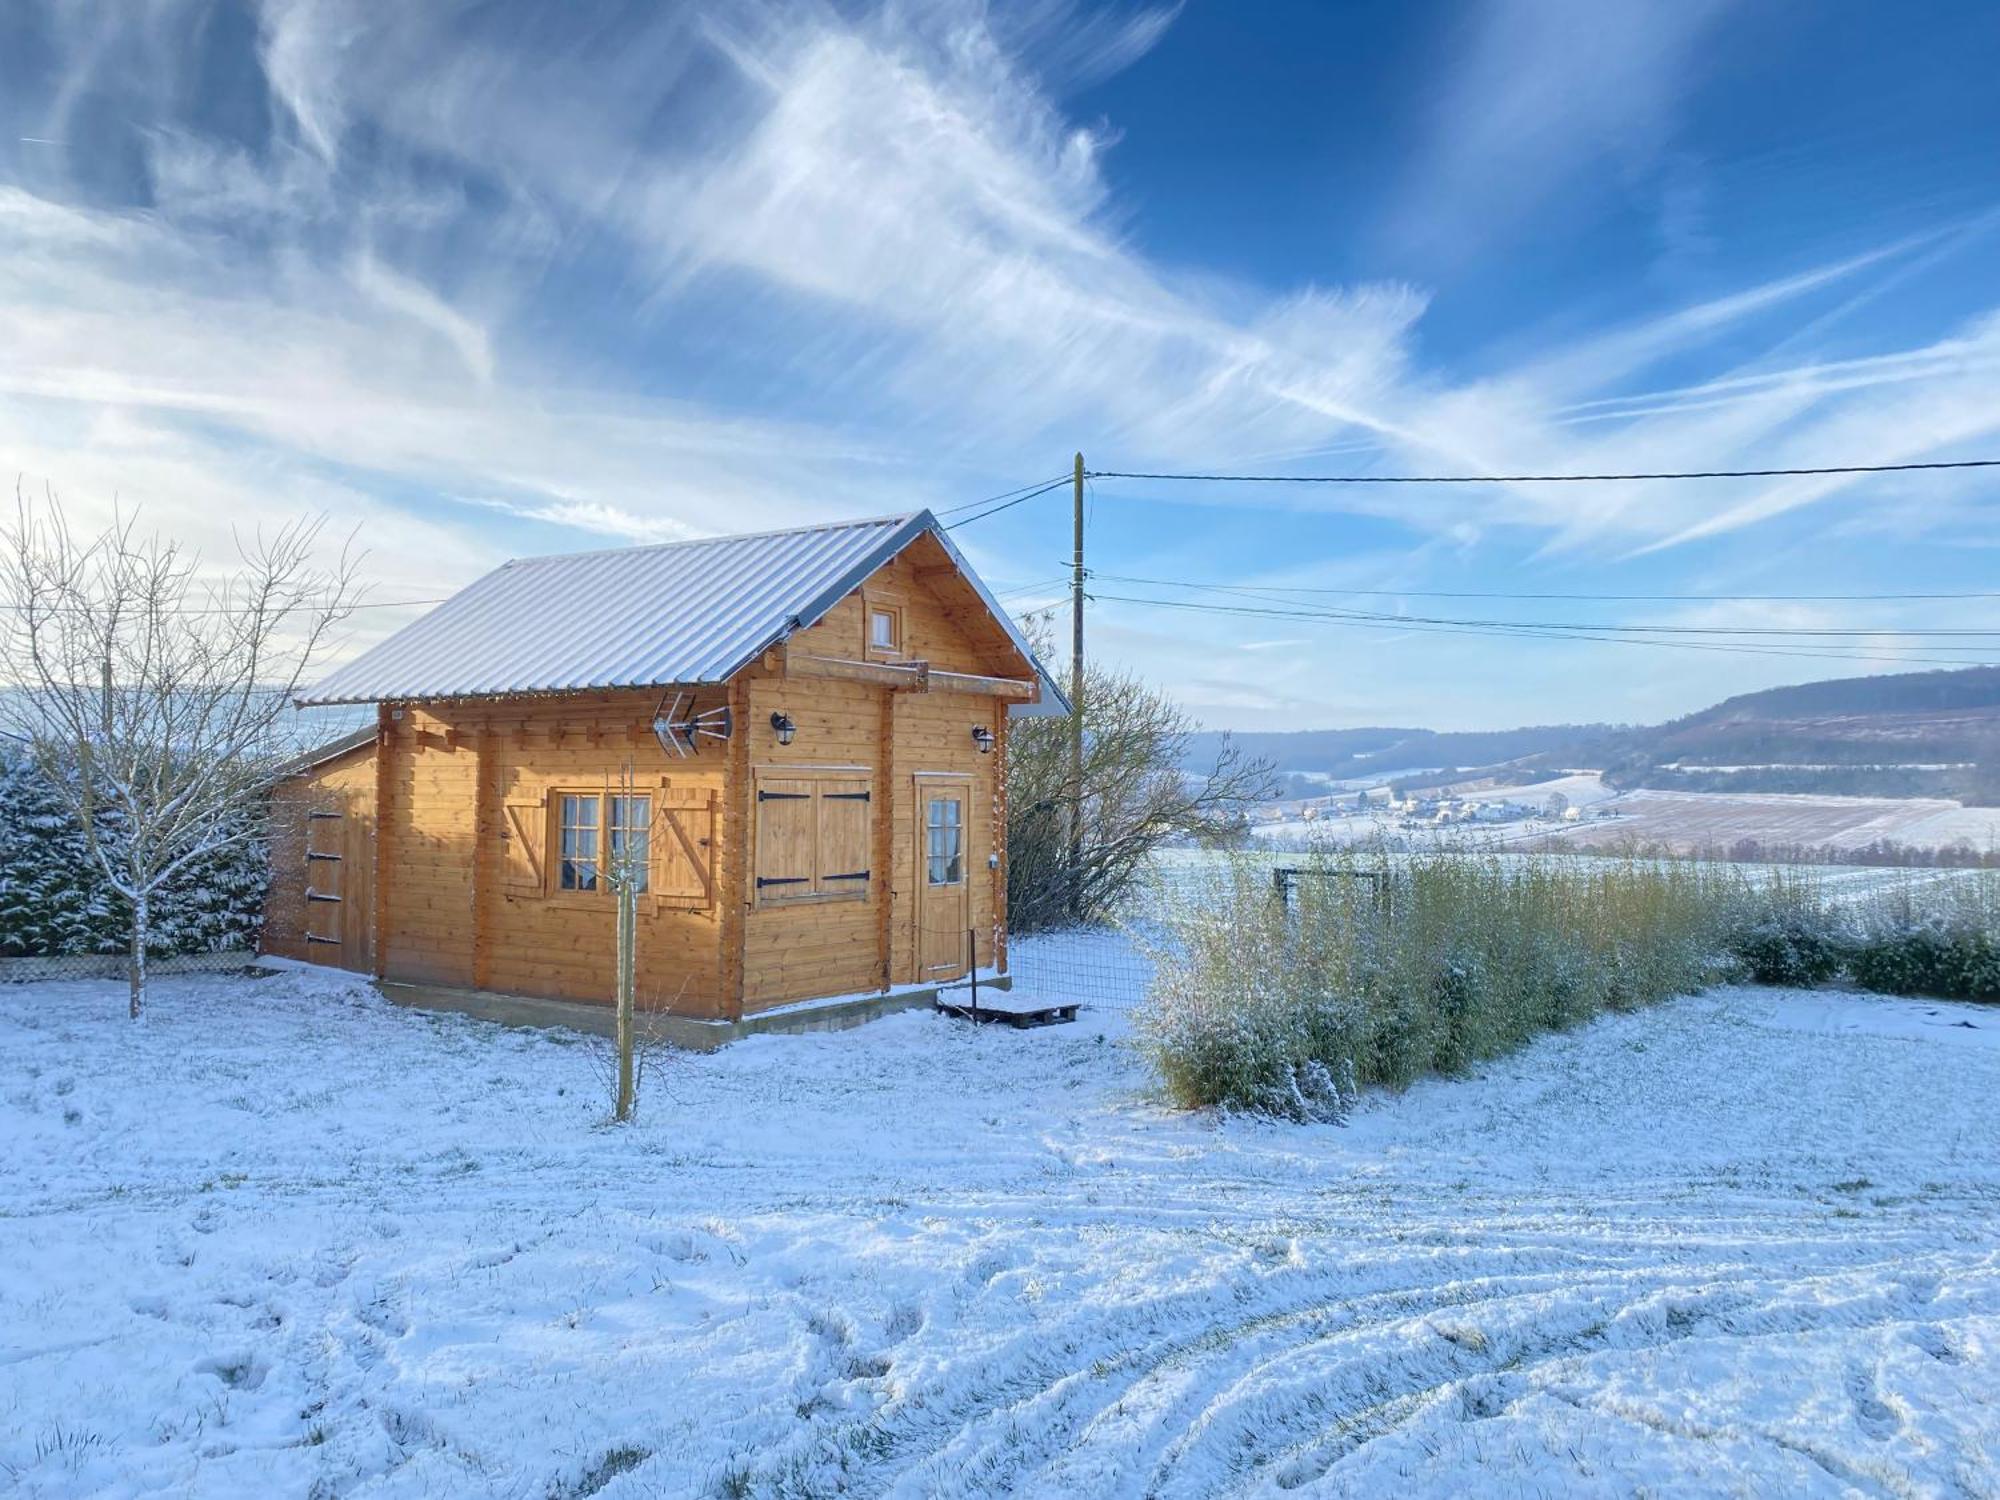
x=944, y=841
x=579, y=843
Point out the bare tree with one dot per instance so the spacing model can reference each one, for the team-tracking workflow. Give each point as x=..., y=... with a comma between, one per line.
x=1135, y=797
x=626, y=863
x=153, y=695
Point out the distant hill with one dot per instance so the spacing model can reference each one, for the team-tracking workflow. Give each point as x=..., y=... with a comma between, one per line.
x=1934, y=734
x=1349, y=754
x=1911, y=717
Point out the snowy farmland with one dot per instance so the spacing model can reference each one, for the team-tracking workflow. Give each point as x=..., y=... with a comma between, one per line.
x=1695, y=820
x=283, y=1238
x=1684, y=821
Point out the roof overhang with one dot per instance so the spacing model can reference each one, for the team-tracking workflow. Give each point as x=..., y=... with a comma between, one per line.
x=897, y=533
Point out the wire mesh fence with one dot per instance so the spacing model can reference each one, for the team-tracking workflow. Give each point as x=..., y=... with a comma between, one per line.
x=112, y=966
x=1099, y=967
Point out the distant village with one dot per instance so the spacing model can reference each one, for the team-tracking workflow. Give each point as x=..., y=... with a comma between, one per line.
x=1434, y=808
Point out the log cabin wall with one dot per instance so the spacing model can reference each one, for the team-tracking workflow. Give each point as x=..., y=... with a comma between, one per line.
x=475, y=891
x=428, y=811
x=778, y=872
x=801, y=943
x=322, y=910
x=933, y=736
x=849, y=734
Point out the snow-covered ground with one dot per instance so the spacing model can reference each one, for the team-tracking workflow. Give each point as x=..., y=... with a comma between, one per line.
x=283, y=1239
x=1682, y=820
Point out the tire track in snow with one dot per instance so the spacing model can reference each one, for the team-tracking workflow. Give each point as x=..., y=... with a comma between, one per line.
x=1245, y=1386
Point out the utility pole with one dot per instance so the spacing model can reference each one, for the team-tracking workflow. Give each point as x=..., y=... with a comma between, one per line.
x=1076, y=710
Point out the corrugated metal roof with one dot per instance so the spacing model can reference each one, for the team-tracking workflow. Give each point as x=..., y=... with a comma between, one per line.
x=679, y=612
x=319, y=755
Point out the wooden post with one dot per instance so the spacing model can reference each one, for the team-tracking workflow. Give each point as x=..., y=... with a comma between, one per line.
x=884, y=841
x=1076, y=708
x=488, y=822
x=1000, y=846
x=628, y=922
x=385, y=831
x=733, y=897
x=624, y=869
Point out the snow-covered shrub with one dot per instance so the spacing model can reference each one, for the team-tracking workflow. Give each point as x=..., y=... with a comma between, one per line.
x=1784, y=931
x=1242, y=1011
x=55, y=903
x=1930, y=956
x=1383, y=968
x=1931, y=937
x=51, y=899
x=1789, y=948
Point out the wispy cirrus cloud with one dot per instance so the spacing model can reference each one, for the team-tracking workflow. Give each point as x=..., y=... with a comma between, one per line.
x=638, y=274
x=1532, y=94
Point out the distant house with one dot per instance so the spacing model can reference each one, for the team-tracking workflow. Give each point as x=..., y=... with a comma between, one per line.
x=813, y=724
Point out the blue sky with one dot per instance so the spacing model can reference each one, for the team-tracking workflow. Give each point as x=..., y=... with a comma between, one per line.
x=480, y=281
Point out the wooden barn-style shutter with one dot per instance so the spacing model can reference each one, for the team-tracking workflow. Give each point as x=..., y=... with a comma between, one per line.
x=527, y=839
x=846, y=823
x=815, y=834
x=785, y=837
x=683, y=874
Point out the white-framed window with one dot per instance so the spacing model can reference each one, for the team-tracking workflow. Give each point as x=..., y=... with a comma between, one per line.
x=593, y=831
x=577, y=825
x=944, y=838
x=629, y=821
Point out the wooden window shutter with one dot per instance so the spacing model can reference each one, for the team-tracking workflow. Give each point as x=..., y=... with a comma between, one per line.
x=684, y=848
x=785, y=838
x=846, y=824
x=527, y=833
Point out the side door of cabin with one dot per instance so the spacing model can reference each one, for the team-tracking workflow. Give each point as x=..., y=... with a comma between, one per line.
x=943, y=908
x=339, y=886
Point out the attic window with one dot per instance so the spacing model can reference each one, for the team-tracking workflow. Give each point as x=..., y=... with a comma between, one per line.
x=885, y=629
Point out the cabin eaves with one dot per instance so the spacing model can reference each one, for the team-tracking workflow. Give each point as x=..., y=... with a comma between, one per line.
x=632, y=617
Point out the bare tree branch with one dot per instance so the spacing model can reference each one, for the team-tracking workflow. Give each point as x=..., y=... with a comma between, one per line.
x=154, y=695
x=1135, y=797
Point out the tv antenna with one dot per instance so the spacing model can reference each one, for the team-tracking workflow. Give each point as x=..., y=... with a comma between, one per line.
x=680, y=730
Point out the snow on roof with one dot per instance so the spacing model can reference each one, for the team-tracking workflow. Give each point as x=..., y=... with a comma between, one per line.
x=678, y=612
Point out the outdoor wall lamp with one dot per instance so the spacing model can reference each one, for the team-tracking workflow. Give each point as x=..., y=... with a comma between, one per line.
x=983, y=738
x=785, y=728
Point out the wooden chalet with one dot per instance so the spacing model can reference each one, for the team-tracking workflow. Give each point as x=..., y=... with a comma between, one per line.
x=802, y=732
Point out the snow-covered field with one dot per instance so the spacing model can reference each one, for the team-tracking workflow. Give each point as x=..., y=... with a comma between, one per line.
x=1710, y=819
x=284, y=1239
x=1687, y=821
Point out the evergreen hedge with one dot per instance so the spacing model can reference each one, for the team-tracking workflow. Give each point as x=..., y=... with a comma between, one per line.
x=55, y=902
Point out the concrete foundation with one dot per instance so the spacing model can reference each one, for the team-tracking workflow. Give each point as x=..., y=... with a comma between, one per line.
x=679, y=1031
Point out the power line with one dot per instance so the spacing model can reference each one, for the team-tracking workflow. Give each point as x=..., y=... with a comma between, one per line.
x=1541, y=632
x=1276, y=588
x=1007, y=504
x=1749, y=630
x=1037, y=485
x=1955, y=463
x=1029, y=588
x=1424, y=627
